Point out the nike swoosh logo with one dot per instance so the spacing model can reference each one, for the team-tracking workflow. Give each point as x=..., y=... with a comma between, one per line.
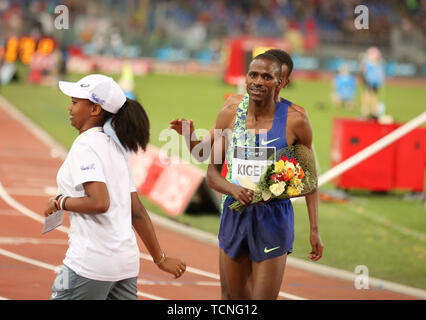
x=269, y=250
x=263, y=142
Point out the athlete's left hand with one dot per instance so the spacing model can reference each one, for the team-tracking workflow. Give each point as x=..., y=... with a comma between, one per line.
x=317, y=246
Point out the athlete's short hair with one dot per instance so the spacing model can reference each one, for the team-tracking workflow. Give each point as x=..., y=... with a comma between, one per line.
x=270, y=57
x=284, y=58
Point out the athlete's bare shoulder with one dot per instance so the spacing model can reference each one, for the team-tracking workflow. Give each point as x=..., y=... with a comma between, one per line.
x=299, y=126
x=297, y=115
x=232, y=100
x=226, y=116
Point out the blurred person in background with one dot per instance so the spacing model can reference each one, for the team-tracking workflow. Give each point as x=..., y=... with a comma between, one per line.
x=373, y=76
x=344, y=84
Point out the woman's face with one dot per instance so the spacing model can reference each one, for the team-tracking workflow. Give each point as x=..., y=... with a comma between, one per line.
x=80, y=113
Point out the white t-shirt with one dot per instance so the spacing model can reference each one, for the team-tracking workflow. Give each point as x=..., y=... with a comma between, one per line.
x=101, y=246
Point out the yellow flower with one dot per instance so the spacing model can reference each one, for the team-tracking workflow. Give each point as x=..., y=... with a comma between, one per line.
x=279, y=166
x=295, y=182
x=292, y=191
x=277, y=188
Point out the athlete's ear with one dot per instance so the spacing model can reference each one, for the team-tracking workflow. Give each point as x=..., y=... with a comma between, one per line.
x=285, y=83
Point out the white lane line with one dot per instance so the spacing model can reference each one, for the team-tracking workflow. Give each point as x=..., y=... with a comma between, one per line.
x=24, y=210
x=22, y=240
x=146, y=282
x=149, y=296
x=28, y=260
x=9, y=212
x=290, y=296
x=32, y=192
x=56, y=269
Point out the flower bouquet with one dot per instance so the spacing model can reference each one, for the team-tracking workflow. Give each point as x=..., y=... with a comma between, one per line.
x=293, y=175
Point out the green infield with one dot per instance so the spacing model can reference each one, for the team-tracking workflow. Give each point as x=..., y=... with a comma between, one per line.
x=385, y=232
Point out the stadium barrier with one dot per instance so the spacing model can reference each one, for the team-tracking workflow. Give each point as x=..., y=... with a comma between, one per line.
x=371, y=149
x=387, y=168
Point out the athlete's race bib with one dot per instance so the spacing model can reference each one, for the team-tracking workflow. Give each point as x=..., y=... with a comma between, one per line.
x=251, y=162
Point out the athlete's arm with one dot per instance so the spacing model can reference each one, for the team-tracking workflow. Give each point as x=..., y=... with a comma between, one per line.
x=143, y=226
x=214, y=179
x=186, y=128
x=95, y=201
x=303, y=133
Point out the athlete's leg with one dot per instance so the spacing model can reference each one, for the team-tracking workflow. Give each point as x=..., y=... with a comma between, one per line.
x=237, y=273
x=267, y=278
x=223, y=284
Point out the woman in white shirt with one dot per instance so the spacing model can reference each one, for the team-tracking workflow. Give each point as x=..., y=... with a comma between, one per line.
x=96, y=188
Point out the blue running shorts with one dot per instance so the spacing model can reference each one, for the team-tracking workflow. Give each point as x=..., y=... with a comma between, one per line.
x=264, y=230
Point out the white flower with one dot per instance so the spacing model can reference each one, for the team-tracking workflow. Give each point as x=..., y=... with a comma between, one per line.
x=266, y=195
x=277, y=188
x=289, y=165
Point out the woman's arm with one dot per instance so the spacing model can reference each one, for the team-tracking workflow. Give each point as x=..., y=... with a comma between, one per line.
x=96, y=200
x=145, y=229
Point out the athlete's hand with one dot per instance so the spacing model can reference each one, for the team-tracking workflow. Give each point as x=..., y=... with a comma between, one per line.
x=317, y=246
x=174, y=266
x=242, y=195
x=50, y=207
x=180, y=124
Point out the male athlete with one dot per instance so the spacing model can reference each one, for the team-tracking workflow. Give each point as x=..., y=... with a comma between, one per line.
x=297, y=130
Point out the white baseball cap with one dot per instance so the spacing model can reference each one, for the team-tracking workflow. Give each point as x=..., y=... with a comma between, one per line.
x=97, y=88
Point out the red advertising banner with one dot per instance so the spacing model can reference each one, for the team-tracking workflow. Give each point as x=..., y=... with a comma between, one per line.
x=168, y=182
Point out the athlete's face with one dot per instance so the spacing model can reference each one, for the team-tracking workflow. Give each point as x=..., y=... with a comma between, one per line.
x=80, y=112
x=263, y=80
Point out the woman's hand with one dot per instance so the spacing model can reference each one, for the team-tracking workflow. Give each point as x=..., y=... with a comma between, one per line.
x=50, y=207
x=174, y=266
